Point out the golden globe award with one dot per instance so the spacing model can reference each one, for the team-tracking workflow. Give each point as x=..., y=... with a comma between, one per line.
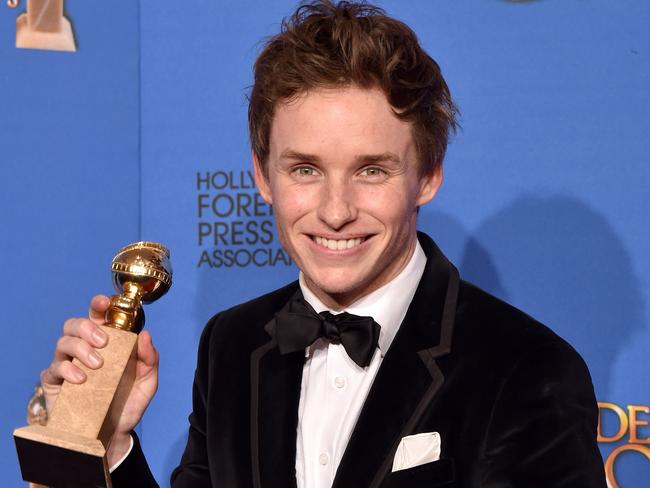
x=43, y=26
x=70, y=451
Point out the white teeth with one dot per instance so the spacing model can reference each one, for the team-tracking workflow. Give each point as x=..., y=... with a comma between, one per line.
x=337, y=245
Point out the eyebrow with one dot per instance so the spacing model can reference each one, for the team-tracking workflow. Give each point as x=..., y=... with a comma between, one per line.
x=378, y=158
x=298, y=156
x=362, y=158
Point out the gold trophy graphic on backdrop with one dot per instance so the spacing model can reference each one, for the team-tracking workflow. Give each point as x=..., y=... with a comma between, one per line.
x=70, y=451
x=43, y=26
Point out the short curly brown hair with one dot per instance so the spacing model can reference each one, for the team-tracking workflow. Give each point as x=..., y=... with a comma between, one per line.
x=328, y=45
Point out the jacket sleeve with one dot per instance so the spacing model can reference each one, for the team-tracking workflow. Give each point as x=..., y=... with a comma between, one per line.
x=543, y=429
x=134, y=470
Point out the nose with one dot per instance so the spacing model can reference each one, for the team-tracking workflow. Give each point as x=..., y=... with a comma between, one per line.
x=337, y=207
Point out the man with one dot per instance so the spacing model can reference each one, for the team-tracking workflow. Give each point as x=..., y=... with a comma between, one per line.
x=444, y=386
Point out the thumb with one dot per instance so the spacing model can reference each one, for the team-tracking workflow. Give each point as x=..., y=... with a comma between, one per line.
x=147, y=353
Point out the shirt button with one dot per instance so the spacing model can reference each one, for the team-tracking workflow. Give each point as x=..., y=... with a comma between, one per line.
x=323, y=459
x=339, y=381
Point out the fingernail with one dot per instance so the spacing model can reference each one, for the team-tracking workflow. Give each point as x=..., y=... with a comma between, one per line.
x=95, y=359
x=79, y=375
x=99, y=336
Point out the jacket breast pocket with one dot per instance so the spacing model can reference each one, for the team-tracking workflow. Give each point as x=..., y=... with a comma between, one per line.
x=429, y=475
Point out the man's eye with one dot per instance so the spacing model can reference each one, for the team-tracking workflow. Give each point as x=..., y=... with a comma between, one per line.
x=373, y=172
x=304, y=171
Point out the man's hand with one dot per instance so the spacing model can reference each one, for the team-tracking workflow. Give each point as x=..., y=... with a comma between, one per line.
x=83, y=339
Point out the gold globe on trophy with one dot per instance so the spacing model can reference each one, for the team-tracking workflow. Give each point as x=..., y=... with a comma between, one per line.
x=70, y=450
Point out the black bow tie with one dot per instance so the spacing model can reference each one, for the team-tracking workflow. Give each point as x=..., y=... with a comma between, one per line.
x=297, y=327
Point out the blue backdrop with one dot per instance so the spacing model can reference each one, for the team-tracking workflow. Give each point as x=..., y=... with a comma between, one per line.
x=142, y=134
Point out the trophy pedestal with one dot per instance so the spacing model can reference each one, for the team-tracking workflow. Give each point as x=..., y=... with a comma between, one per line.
x=60, y=40
x=56, y=458
x=70, y=451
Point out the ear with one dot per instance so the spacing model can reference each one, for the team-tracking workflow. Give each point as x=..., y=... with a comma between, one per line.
x=429, y=185
x=261, y=181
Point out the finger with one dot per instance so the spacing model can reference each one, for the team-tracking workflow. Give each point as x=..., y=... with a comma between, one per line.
x=59, y=371
x=73, y=347
x=147, y=353
x=50, y=377
x=97, y=309
x=87, y=330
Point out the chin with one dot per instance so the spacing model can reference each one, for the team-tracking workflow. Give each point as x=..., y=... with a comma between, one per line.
x=338, y=286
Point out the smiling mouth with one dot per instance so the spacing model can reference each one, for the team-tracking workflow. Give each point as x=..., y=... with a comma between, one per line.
x=338, y=244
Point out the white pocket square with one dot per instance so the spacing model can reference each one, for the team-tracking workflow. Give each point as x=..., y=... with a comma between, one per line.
x=414, y=450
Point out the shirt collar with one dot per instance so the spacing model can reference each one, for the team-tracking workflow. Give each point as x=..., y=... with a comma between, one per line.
x=387, y=305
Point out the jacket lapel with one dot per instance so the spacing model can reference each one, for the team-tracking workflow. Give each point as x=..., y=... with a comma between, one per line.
x=275, y=395
x=408, y=378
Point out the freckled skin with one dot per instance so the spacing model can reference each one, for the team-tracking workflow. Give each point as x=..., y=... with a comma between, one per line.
x=341, y=165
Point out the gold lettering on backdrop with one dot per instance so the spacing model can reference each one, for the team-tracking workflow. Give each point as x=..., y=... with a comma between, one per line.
x=622, y=422
x=609, y=462
x=635, y=423
x=630, y=423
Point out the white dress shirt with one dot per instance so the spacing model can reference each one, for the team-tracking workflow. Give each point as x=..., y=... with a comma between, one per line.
x=334, y=387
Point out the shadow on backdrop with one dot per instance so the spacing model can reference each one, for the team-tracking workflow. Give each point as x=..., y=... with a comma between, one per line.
x=561, y=261
x=456, y=243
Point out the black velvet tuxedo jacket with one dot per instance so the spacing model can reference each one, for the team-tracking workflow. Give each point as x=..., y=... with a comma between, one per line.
x=513, y=403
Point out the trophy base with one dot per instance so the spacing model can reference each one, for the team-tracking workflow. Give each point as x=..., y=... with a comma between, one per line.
x=27, y=38
x=56, y=458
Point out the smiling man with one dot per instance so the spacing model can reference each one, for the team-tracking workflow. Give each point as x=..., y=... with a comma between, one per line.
x=344, y=179
x=379, y=367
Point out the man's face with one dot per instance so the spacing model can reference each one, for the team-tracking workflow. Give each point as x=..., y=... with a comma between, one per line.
x=344, y=183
